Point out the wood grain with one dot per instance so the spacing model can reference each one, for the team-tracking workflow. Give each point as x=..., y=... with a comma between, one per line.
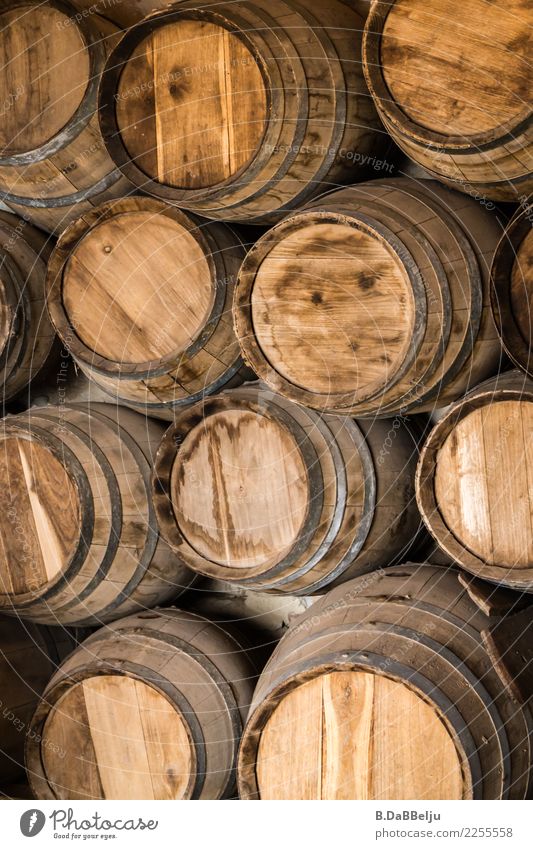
x=35, y=65
x=458, y=70
x=484, y=483
x=150, y=707
x=139, y=288
x=40, y=509
x=129, y=743
x=332, y=309
x=241, y=489
x=354, y=735
x=204, y=104
x=452, y=86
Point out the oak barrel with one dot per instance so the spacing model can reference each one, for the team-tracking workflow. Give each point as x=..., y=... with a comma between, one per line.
x=141, y=295
x=29, y=656
x=28, y=344
x=149, y=707
x=79, y=540
x=238, y=111
x=474, y=479
x=252, y=489
x=384, y=689
x=373, y=300
x=512, y=288
x=452, y=84
x=53, y=162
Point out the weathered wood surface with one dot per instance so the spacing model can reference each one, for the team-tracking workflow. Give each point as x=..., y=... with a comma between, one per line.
x=240, y=112
x=383, y=689
x=372, y=301
x=252, y=489
x=459, y=104
x=355, y=735
x=474, y=481
x=149, y=707
x=79, y=543
x=53, y=162
x=141, y=293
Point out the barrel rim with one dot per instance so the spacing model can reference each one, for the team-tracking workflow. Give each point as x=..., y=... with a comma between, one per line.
x=515, y=345
x=163, y=467
x=27, y=429
x=352, y=661
x=242, y=305
x=60, y=202
x=487, y=393
x=66, y=245
x=108, y=90
x=402, y=123
x=58, y=688
x=83, y=114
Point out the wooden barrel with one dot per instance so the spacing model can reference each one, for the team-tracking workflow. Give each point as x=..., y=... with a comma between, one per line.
x=150, y=707
x=252, y=489
x=79, y=540
x=384, y=690
x=512, y=289
x=459, y=104
x=373, y=300
x=53, y=162
x=242, y=110
x=29, y=656
x=474, y=481
x=141, y=295
x=28, y=344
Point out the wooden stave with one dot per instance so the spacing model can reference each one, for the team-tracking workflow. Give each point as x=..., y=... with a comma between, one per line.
x=365, y=600
x=349, y=548
x=72, y=596
x=164, y=463
x=215, y=651
x=267, y=42
x=25, y=252
x=511, y=386
x=137, y=385
x=515, y=345
x=46, y=648
x=471, y=231
x=475, y=235
x=458, y=163
x=318, y=565
x=372, y=631
x=387, y=530
x=243, y=304
x=53, y=212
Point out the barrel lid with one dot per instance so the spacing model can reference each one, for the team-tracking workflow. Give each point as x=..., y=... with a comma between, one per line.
x=483, y=475
x=457, y=71
x=332, y=309
x=137, y=288
x=116, y=737
x=46, y=72
x=39, y=516
x=240, y=488
x=191, y=102
x=357, y=735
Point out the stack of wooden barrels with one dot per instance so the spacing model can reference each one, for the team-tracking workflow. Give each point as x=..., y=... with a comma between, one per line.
x=299, y=407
